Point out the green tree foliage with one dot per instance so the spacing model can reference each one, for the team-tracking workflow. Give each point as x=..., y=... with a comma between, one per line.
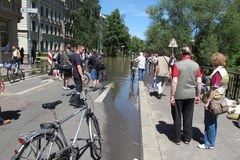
x=137, y=44
x=211, y=25
x=86, y=24
x=115, y=34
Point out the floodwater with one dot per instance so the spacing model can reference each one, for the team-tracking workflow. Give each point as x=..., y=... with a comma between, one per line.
x=121, y=106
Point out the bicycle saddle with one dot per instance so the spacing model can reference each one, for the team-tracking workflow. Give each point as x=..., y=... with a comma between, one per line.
x=51, y=105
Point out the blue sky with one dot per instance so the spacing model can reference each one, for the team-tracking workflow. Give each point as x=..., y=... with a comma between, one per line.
x=135, y=17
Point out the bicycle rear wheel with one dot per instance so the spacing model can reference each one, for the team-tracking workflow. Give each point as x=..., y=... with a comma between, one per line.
x=95, y=137
x=86, y=79
x=11, y=75
x=40, y=147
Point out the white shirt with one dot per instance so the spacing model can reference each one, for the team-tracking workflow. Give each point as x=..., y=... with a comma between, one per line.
x=141, y=62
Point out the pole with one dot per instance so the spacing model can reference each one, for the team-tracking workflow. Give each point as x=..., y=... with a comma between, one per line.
x=30, y=40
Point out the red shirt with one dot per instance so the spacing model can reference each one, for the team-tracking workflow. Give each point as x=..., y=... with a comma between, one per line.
x=175, y=69
x=216, y=80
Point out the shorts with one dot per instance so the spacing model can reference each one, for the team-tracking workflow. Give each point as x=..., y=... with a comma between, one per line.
x=94, y=74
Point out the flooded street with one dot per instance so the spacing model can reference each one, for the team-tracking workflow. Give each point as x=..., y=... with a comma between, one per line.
x=121, y=107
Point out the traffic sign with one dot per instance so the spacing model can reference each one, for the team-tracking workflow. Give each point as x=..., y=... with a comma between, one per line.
x=173, y=43
x=29, y=10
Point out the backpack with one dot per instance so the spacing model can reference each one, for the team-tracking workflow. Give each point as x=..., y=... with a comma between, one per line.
x=100, y=64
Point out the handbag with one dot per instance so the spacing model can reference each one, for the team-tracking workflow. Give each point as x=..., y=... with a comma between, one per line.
x=220, y=106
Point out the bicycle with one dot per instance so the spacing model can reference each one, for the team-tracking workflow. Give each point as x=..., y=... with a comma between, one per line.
x=14, y=72
x=49, y=142
x=103, y=77
x=86, y=79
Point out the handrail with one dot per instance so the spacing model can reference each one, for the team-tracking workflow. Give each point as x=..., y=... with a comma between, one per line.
x=233, y=91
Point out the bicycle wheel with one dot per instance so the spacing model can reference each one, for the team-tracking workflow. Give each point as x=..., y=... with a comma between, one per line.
x=86, y=79
x=95, y=137
x=11, y=75
x=40, y=147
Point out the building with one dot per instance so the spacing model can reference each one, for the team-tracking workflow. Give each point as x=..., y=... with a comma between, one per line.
x=50, y=29
x=10, y=15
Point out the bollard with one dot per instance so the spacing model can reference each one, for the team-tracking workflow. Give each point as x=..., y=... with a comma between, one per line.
x=49, y=61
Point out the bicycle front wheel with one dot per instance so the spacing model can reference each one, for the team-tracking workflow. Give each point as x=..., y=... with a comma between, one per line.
x=41, y=147
x=95, y=137
x=86, y=79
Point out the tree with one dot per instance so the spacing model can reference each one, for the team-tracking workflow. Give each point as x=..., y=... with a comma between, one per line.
x=115, y=34
x=86, y=24
x=211, y=25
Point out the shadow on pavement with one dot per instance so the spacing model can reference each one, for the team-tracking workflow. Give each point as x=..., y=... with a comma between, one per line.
x=167, y=129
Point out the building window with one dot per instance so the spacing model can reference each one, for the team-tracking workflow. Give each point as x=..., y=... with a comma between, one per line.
x=51, y=28
x=33, y=26
x=59, y=17
x=46, y=12
x=55, y=30
x=33, y=5
x=47, y=29
x=46, y=45
x=41, y=12
x=55, y=16
x=59, y=31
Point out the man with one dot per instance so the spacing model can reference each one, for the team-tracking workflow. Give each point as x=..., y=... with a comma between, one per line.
x=141, y=60
x=77, y=65
x=162, y=73
x=78, y=78
x=186, y=77
x=66, y=60
x=92, y=63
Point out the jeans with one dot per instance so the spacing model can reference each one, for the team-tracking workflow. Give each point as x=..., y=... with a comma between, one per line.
x=210, y=131
x=161, y=83
x=141, y=73
x=78, y=83
x=184, y=107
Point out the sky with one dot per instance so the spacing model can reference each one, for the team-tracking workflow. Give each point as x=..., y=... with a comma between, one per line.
x=135, y=17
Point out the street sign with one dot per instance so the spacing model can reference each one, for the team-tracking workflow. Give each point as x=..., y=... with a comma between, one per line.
x=29, y=10
x=173, y=43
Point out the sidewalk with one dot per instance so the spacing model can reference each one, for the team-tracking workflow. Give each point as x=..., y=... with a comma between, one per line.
x=156, y=125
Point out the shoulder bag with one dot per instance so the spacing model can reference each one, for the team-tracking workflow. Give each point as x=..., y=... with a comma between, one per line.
x=220, y=106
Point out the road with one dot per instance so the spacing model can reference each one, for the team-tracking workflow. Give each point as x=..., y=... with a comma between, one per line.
x=22, y=101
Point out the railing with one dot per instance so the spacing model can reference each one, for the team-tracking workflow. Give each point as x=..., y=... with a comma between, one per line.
x=233, y=91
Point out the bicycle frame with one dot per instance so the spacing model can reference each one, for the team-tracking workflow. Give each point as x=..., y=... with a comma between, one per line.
x=85, y=110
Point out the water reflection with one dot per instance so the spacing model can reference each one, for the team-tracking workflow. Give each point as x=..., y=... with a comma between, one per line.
x=122, y=112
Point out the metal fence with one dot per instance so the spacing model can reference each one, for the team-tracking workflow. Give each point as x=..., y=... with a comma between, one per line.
x=233, y=91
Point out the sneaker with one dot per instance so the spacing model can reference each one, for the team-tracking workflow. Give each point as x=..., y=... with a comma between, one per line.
x=203, y=146
x=186, y=142
x=159, y=96
x=3, y=122
x=64, y=88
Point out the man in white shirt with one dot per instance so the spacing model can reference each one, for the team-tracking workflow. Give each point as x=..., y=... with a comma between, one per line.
x=141, y=65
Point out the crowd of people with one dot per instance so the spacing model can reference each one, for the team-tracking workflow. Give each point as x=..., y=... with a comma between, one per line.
x=185, y=77
x=188, y=85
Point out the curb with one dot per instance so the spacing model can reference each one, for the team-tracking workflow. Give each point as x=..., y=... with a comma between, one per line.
x=150, y=147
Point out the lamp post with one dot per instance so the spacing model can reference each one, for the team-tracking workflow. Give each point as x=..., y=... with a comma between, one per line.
x=100, y=41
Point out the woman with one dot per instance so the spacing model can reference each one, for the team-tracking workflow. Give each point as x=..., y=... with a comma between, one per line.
x=215, y=89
